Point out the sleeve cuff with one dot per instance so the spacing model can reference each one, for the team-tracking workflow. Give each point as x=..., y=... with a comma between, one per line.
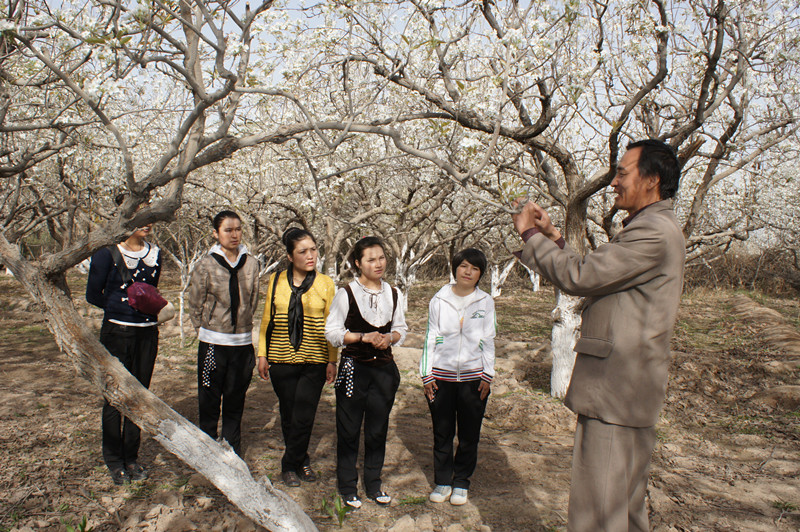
x=528, y=233
x=428, y=379
x=487, y=378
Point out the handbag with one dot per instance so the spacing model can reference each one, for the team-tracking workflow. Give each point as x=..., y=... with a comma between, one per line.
x=143, y=297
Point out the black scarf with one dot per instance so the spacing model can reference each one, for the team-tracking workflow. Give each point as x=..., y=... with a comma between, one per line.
x=296, y=306
x=233, y=283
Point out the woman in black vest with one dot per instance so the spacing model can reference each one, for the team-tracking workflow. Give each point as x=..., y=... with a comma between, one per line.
x=366, y=319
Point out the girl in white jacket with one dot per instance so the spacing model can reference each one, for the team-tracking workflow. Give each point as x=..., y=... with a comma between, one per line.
x=457, y=368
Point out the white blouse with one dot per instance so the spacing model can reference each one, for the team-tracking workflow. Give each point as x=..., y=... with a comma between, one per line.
x=377, y=314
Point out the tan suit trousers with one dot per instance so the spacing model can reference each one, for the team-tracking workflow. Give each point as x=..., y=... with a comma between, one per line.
x=610, y=465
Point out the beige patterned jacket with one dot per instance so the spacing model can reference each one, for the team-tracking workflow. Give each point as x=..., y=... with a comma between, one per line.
x=209, y=299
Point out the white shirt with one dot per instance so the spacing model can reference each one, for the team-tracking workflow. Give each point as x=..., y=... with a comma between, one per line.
x=461, y=302
x=377, y=315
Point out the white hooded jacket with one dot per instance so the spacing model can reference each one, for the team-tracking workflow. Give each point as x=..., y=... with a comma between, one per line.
x=459, y=347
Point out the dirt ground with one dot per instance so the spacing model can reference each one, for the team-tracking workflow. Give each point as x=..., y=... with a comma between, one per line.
x=727, y=457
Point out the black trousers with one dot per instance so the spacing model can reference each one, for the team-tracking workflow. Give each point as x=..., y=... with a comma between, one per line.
x=224, y=373
x=298, y=387
x=371, y=399
x=136, y=348
x=456, y=407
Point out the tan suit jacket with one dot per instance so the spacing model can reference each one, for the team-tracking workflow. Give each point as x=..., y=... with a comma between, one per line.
x=633, y=285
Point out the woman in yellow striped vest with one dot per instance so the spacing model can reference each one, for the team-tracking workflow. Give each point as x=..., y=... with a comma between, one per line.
x=292, y=350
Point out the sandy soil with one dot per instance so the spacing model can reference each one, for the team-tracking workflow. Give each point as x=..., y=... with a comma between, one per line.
x=727, y=456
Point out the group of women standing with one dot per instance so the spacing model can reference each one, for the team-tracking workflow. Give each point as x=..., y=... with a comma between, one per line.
x=305, y=323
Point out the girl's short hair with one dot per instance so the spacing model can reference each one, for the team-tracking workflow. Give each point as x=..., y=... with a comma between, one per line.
x=358, y=250
x=292, y=236
x=222, y=215
x=471, y=255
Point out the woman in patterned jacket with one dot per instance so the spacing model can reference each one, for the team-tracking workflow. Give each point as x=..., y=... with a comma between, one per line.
x=223, y=294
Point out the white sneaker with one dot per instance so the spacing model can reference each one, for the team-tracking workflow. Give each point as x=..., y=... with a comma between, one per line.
x=458, y=497
x=440, y=493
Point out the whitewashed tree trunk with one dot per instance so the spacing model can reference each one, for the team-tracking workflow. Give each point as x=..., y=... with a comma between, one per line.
x=186, y=268
x=411, y=278
x=566, y=329
x=331, y=264
x=499, y=276
x=401, y=280
x=406, y=272
x=182, y=305
x=332, y=270
x=268, y=268
x=534, y=277
x=494, y=271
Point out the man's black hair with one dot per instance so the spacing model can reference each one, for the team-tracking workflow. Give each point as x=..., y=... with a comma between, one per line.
x=658, y=159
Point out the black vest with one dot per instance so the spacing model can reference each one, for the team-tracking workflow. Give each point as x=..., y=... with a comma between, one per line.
x=362, y=352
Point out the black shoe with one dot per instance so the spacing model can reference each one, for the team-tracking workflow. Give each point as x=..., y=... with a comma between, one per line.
x=290, y=478
x=307, y=474
x=380, y=497
x=120, y=476
x=136, y=472
x=352, y=501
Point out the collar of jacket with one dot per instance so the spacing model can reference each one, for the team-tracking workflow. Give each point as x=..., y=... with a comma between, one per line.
x=216, y=248
x=658, y=205
x=446, y=295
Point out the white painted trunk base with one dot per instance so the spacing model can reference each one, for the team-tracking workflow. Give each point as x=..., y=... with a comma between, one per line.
x=566, y=330
x=534, y=277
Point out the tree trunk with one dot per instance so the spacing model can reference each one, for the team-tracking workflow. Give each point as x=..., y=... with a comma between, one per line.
x=332, y=270
x=566, y=329
x=331, y=258
x=499, y=276
x=401, y=279
x=567, y=314
x=182, y=310
x=534, y=277
x=259, y=500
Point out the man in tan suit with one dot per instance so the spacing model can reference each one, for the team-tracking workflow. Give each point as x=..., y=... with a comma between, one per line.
x=633, y=286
